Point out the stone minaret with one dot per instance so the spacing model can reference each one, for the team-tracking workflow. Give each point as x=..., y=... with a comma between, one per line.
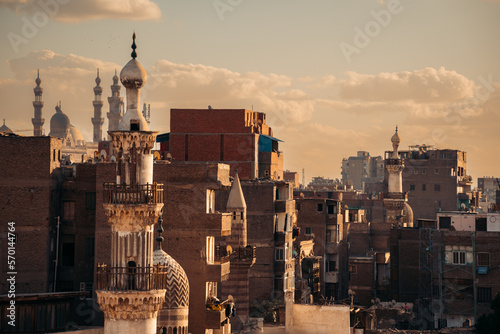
x=97, y=120
x=115, y=105
x=130, y=289
x=242, y=256
x=398, y=211
x=38, y=105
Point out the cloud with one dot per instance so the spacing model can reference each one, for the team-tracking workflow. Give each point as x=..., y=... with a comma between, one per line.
x=74, y=11
x=428, y=85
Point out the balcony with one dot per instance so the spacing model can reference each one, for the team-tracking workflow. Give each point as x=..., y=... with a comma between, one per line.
x=331, y=248
x=213, y=319
x=332, y=277
x=395, y=195
x=247, y=253
x=133, y=194
x=219, y=270
x=131, y=278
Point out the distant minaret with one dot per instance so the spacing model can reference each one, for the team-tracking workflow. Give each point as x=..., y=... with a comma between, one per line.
x=115, y=105
x=38, y=105
x=97, y=120
x=398, y=211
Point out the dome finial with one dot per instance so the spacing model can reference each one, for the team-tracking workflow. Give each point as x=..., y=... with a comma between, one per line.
x=38, y=81
x=133, y=54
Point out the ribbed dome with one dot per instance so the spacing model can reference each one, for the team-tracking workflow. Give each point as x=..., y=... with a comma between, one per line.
x=408, y=214
x=59, y=124
x=177, y=294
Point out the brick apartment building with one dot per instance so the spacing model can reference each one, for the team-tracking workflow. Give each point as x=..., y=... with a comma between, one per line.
x=238, y=137
x=435, y=180
x=359, y=170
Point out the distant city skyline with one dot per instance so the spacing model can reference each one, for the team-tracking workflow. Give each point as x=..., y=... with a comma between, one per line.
x=333, y=77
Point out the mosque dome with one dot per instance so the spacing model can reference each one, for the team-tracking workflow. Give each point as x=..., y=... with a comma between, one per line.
x=59, y=124
x=77, y=135
x=177, y=294
x=5, y=128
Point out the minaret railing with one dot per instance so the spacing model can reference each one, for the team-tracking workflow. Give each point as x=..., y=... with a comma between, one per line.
x=133, y=194
x=131, y=278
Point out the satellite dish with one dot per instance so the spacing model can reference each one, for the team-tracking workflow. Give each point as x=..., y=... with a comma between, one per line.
x=103, y=153
x=157, y=155
x=229, y=249
x=113, y=158
x=462, y=206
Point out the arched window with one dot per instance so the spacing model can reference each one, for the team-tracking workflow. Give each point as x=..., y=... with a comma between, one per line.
x=132, y=271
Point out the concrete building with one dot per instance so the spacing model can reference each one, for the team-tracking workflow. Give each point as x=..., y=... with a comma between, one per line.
x=321, y=221
x=238, y=137
x=450, y=275
x=362, y=169
x=469, y=221
x=292, y=177
x=488, y=187
x=435, y=180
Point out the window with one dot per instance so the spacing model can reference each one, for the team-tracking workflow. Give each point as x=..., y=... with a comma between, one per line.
x=353, y=269
x=331, y=266
x=424, y=187
x=210, y=201
x=481, y=224
x=297, y=206
x=266, y=173
x=331, y=233
x=279, y=254
x=437, y=187
x=444, y=222
x=458, y=257
x=241, y=215
x=278, y=283
x=211, y=289
x=436, y=171
x=234, y=215
x=483, y=259
x=320, y=207
x=332, y=209
x=69, y=210
x=484, y=295
x=412, y=187
x=89, y=247
x=424, y=171
x=210, y=249
x=308, y=230
x=134, y=126
x=68, y=254
x=90, y=201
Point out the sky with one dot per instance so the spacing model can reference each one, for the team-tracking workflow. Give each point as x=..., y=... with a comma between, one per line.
x=333, y=76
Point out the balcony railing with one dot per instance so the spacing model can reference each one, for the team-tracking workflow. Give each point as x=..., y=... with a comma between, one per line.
x=243, y=253
x=395, y=195
x=133, y=194
x=393, y=161
x=131, y=278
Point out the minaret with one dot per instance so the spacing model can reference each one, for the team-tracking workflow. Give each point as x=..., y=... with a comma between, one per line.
x=115, y=105
x=38, y=105
x=97, y=120
x=242, y=256
x=130, y=289
x=398, y=211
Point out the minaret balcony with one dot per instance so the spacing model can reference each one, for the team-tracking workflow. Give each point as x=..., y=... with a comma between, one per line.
x=390, y=195
x=133, y=194
x=131, y=278
x=393, y=161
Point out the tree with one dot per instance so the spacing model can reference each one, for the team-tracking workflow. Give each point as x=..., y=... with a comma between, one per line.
x=487, y=324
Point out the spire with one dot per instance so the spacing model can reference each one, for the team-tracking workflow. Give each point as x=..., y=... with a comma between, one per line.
x=159, y=238
x=133, y=54
x=236, y=199
x=395, y=144
x=38, y=81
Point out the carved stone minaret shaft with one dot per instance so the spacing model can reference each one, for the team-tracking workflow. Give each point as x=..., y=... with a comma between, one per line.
x=97, y=120
x=131, y=290
x=37, y=120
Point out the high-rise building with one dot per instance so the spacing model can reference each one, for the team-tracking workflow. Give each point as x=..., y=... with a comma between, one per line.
x=362, y=169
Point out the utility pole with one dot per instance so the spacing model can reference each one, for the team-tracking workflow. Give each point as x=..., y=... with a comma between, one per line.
x=56, y=261
x=473, y=236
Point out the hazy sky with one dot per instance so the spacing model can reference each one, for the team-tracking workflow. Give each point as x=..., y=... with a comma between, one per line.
x=334, y=77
